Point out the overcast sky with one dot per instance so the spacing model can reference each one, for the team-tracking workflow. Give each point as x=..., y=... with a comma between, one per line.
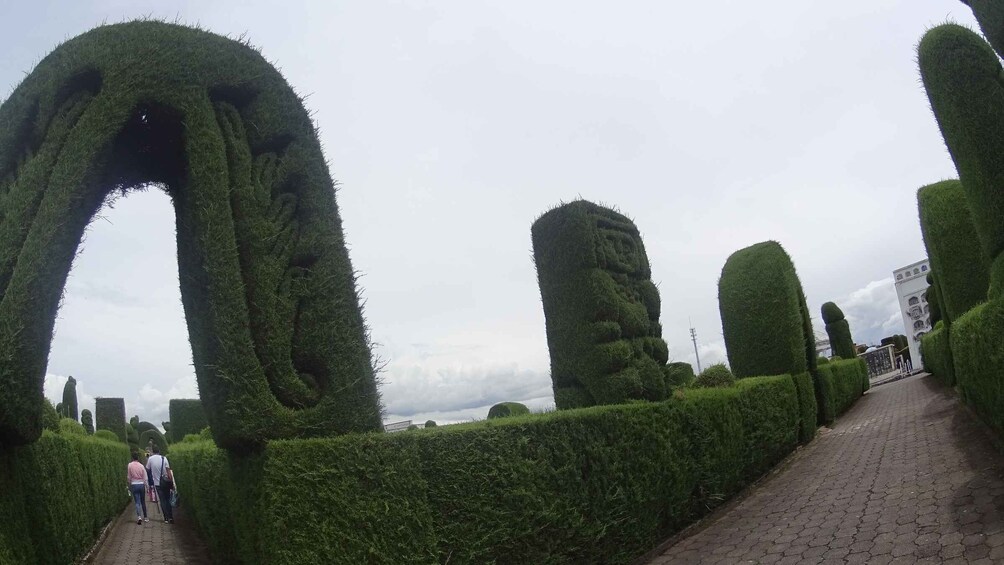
x=451, y=125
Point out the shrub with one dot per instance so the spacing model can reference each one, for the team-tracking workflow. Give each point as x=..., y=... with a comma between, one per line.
x=679, y=374
x=70, y=399
x=600, y=307
x=110, y=415
x=187, y=417
x=931, y=297
x=715, y=375
x=822, y=361
x=823, y=382
x=507, y=409
x=597, y=485
x=937, y=355
x=57, y=495
x=278, y=337
x=838, y=330
x=71, y=427
x=848, y=383
x=107, y=435
x=50, y=417
x=87, y=421
x=953, y=248
x=145, y=426
x=431, y=424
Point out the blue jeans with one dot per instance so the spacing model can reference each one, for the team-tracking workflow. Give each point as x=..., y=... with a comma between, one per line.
x=137, y=496
x=165, y=502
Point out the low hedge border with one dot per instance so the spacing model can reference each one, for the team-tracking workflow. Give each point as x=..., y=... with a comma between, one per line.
x=595, y=485
x=842, y=382
x=936, y=354
x=57, y=495
x=973, y=351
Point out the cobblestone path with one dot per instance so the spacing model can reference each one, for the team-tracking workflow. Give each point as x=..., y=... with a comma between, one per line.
x=905, y=476
x=153, y=543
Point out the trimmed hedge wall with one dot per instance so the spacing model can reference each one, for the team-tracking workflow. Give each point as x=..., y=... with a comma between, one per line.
x=596, y=485
x=278, y=338
x=842, y=382
x=936, y=354
x=601, y=308
x=58, y=493
x=110, y=414
x=952, y=246
x=974, y=349
x=187, y=417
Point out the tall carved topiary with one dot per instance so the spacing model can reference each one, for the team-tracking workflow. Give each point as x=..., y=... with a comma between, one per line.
x=187, y=417
x=109, y=414
x=87, y=421
x=70, y=399
x=962, y=76
x=600, y=307
x=952, y=247
x=278, y=338
x=839, y=331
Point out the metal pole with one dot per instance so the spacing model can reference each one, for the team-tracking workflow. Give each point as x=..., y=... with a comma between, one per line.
x=693, y=337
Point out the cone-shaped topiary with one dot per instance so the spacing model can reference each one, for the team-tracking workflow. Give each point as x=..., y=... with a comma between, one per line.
x=952, y=247
x=278, y=338
x=70, y=399
x=109, y=414
x=507, y=409
x=717, y=375
x=87, y=421
x=600, y=307
x=839, y=331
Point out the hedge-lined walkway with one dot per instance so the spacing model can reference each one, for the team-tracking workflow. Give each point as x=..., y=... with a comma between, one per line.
x=905, y=476
x=153, y=543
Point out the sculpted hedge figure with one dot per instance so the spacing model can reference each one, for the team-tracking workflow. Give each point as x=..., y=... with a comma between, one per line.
x=278, y=338
x=600, y=306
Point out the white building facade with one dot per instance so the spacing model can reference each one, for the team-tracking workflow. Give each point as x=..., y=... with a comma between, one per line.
x=911, y=283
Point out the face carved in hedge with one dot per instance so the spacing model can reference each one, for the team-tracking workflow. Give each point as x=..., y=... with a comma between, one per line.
x=601, y=307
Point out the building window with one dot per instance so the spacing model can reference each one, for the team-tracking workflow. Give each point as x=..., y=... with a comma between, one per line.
x=916, y=271
x=919, y=325
x=913, y=301
x=923, y=267
x=927, y=309
x=899, y=277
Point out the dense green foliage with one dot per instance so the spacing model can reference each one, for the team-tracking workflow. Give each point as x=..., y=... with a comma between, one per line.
x=107, y=435
x=679, y=374
x=990, y=14
x=69, y=399
x=715, y=375
x=156, y=436
x=431, y=424
x=507, y=409
x=759, y=297
x=933, y=304
x=808, y=407
x=823, y=384
x=952, y=247
x=71, y=427
x=109, y=414
x=87, y=421
x=598, y=485
x=278, y=338
x=600, y=307
x=936, y=354
x=839, y=331
x=57, y=494
x=187, y=417
x=841, y=382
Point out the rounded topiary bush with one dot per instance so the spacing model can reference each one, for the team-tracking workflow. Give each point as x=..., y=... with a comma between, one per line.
x=679, y=374
x=507, y=409
x=156, y=436
x=69, y=426
x=108, y=435
x=822, y=361
x=716, y=375
x=431, y=424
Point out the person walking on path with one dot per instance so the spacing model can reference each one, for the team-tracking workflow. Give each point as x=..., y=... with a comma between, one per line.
x=163, y=480
x=136, y=475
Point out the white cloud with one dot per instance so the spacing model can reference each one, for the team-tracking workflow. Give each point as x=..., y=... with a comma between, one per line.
x=873, y=311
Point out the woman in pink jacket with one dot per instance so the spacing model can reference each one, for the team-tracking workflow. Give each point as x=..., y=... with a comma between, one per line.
x=136, y=475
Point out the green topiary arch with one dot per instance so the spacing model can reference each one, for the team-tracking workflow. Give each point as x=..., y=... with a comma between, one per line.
x=278, y=338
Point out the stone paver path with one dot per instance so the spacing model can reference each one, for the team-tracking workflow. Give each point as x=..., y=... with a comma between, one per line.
x=905, y=476
x=153, y=543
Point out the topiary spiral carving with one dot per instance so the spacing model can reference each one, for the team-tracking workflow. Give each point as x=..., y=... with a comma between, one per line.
x=839, y=331
x=600, y=306
x=277, y=334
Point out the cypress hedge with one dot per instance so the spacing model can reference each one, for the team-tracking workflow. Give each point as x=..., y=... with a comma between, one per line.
x=187, y=417
x=839, y=331
x=57, y=495
x=507, y=409
x=951, y=242
x=597, y=485
x=87, y=420
x=936, y=354
x=601, y=308
x=110, y=415
x=679, y=374
x=766, y=323
x=70, y=399
x=156, y=436
x=278, y=338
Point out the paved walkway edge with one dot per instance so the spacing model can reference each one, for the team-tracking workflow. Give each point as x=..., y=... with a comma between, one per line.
x=102, y=537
